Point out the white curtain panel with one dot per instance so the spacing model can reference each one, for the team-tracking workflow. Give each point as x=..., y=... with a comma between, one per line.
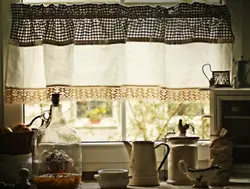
x=133, y=63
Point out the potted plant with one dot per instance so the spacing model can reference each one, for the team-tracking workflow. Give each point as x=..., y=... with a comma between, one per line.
x=96, y=114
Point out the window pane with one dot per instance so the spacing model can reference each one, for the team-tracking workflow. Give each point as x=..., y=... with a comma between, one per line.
x=146, y=120
x=152, y=120
x=94, y=120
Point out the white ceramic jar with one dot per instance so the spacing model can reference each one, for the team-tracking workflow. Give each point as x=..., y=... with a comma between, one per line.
x=10, y=166
x=181, y=148
x=112, y=178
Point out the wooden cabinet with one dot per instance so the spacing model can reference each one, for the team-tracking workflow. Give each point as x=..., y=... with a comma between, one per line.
x=230, y=109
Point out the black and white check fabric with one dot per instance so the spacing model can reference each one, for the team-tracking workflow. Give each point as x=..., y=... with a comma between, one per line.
x=115, y=23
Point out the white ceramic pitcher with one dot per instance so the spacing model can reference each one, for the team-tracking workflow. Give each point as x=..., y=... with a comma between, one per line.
x=143, y=168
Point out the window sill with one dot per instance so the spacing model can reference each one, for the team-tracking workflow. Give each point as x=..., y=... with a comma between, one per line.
x=96, y=126
x=100, y=155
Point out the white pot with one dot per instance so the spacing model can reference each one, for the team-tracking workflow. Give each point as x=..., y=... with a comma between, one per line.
x=10, y=166
x=112, y=178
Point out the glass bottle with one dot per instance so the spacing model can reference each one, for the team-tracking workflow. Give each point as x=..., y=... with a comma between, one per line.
x=57, y=157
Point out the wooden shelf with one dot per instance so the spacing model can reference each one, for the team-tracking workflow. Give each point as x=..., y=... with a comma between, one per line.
x=241, y=146
x=224, y=89
x=236, y=117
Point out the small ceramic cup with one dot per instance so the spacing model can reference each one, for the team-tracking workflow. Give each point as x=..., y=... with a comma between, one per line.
x=112, y=178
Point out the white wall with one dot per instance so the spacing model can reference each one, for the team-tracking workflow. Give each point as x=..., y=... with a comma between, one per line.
x=1, y=64
x=235, y=8
x=240, y=16
x=104, y=156
x=246, y=29
x=10, y=114
x=241, y=27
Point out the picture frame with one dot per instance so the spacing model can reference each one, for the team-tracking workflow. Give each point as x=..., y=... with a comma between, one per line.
x=221, y=78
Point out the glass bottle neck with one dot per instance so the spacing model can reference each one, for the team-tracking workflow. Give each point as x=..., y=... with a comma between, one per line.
x=57, y=118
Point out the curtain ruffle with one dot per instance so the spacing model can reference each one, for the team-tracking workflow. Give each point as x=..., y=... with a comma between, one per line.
x=114, y=23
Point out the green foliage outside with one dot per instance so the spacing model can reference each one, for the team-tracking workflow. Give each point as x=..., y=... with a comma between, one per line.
x=152, y=120
x=94, y=110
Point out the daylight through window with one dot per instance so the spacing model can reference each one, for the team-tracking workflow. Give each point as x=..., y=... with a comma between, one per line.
x=139, y=119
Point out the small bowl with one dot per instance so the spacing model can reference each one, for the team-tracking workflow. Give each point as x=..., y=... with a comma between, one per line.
x=112, y=178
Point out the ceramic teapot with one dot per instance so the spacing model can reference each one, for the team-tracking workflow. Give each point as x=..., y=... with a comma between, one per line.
x=143, y=163
x=242, y=71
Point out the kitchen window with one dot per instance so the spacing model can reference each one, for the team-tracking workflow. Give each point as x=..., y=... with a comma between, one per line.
x=127, y=119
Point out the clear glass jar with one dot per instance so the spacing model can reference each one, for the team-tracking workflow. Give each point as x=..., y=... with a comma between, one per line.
x=57, y=157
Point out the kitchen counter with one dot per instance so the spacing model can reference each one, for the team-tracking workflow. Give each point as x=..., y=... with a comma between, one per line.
x=163, y=185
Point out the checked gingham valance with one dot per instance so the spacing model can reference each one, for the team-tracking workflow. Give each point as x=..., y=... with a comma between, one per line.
x=115, y=23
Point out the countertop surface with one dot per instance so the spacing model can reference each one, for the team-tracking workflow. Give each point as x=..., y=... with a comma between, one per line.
x=164, y=185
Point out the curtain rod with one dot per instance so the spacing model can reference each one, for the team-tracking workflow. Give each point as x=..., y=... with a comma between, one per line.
x=115, y=1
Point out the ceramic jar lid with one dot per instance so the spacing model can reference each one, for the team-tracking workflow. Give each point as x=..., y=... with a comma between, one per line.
x=183, y=139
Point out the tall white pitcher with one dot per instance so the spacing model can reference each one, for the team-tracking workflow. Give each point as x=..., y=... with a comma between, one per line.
x=143, y=163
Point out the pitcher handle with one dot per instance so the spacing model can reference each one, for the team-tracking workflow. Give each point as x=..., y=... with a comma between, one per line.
x=204, y=71
x=165, y=157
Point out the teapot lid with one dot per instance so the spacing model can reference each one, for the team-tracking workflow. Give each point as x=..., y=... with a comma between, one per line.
x=192, y=137
x=242, y=60
x=183, y=139
x=143, y=141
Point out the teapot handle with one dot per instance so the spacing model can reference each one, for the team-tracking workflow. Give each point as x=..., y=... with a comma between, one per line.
x=204, y=71
x=165, y=157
